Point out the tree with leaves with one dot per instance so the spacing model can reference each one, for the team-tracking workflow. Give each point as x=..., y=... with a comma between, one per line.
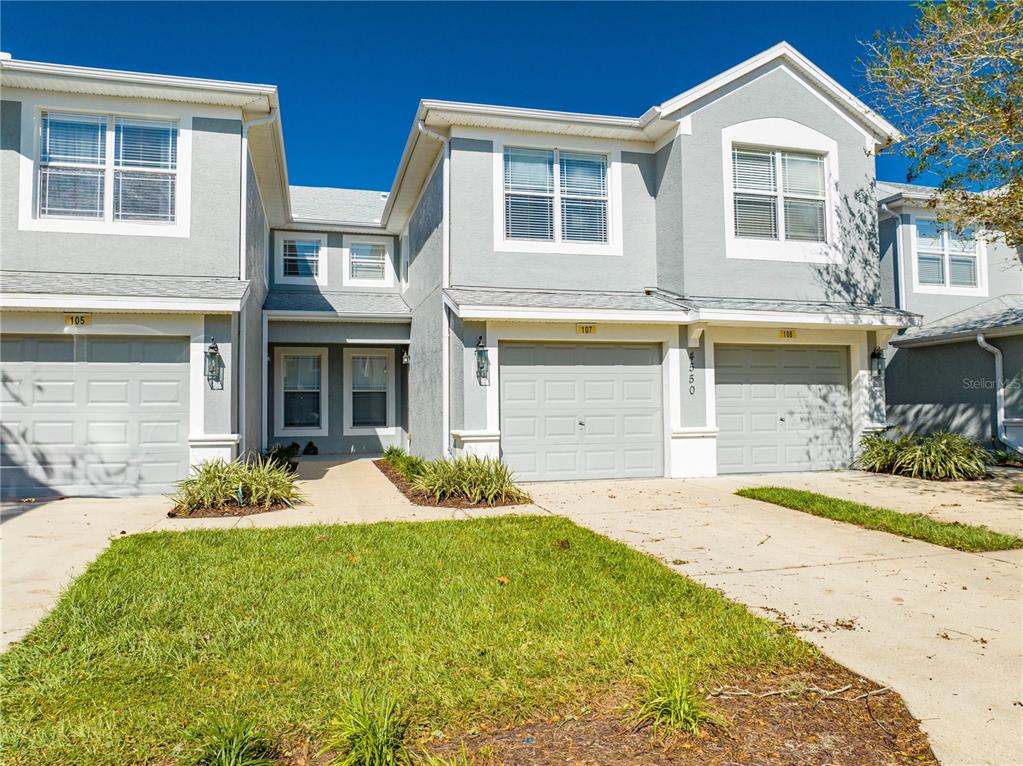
x=954, y=82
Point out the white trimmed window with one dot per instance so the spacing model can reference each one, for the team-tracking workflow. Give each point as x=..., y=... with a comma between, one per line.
x=779, y=195
x=369, y=391
x=555, y=196
x=367, y=262
x=107, y=168
x=300, y=391
x=946, y=259
x=301, y=258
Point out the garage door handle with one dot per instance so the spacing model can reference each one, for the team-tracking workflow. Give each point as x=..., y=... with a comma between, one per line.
x=582, y=422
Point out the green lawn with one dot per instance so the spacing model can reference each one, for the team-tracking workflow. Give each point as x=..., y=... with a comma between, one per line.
x=1018, y=488
x=961, y=537
x=167, y=628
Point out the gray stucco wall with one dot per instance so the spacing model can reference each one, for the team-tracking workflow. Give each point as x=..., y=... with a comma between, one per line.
x=335, y=442
x=771, y=93
x=335, y=264
x=889, y=261
x=472, y=392
x=256, y=253
x=220, y=402
x=429, y=328
x=669, y=208
x=211, y=249
x=474, y=261
x=951, y=387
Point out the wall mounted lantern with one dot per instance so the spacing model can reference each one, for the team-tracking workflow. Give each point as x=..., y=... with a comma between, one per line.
x=482, y=363
x=214, y=365
x=404, y=356
x=877, y=361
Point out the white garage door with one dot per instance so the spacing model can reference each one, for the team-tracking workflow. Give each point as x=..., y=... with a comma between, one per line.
x=782, y=408
x=93, y=415
x=575, y=411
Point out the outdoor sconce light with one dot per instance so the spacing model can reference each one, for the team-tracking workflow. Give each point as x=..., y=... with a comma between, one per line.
x=404, y=356
x=877, y=361
x=214, y=365
x=482, y=363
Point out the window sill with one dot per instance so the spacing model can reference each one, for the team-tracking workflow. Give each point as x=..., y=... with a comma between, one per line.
x=980, y=292
x=368, y=283
x=96, y=226
x=792, y=251
x=308, y=281
x=565, y=248
x=301, y=432
x=370, y=431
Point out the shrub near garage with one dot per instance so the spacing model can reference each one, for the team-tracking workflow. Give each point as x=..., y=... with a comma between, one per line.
x=942, y=456
x=218, y=487
x=475, y=480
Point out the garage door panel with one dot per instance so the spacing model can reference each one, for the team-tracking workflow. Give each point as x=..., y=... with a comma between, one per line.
x=614, y=409
x=117, y=424
x=794, y=416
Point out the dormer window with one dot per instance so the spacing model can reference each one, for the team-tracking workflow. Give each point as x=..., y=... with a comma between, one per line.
x=779, y=195
x=555, y=196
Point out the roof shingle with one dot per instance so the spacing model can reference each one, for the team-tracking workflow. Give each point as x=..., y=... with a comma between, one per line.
x=343, y=303
x=135, y=285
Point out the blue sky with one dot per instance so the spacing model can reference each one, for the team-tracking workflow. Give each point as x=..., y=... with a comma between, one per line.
x=351, y=74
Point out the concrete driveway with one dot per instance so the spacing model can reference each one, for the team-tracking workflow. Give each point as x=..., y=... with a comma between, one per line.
x=942, y=628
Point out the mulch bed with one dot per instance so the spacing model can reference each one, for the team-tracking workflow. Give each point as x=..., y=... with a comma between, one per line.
x=228, y=510
x=806, y=729
x=419, y=498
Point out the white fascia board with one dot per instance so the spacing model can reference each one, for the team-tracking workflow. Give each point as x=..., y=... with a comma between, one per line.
x=523, y=314
x=884, y=131
x=33, y=301
x=242, y=93
x=726, y=316
x=959, y=337
x=360, y=227
x=283, y=315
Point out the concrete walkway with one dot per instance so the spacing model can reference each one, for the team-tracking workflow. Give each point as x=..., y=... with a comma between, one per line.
x=942, y=628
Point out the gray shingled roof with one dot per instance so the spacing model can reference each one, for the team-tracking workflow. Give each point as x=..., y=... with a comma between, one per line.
x=383, y=304
x=999, y=313
x=798, y=307
x=135, y=285
x=323, y=203
x=886, y=189
x=559, y=299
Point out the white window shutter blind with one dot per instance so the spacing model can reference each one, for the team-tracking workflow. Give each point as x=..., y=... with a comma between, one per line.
x=583, y=197
x=931, y=269
x=145, y=156
x=529, y=194
x=802, y=174
x=72, y=152
x=753, y=170
x=756, y=217
x=804, y=220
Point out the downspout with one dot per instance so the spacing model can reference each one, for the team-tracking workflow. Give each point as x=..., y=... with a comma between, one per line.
x=896, y=245
x=242, y=265
x=445, y=282
x=996, y=352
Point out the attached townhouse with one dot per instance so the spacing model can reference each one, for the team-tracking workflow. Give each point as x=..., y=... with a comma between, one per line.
x=962, y=370
x=689, y=292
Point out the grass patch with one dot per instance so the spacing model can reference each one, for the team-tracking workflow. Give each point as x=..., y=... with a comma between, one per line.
x=464, y=622
x=671, y=703
x=1018, y=488
x=961, y=537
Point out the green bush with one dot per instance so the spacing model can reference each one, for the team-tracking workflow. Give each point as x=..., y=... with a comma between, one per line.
x=474, y=479
x=941, y=455
x=283, y=453
x=370, y=730
x=670, y=703
x=231, y=741
x=217, y=485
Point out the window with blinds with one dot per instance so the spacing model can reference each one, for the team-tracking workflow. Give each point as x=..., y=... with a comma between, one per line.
x=555, y=196
x=778, y=195
x=300, y=258
x=944, y=257
x=107, y=168
x=367, y=261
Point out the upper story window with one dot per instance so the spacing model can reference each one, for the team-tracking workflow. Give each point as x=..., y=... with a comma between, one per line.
x=368, y=262
x=107, y=168
x=946, y=259
x=301, y=258
x=555, y=196
x=779, y=195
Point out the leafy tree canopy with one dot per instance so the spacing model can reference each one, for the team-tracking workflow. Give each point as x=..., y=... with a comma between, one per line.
x=954, y=82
